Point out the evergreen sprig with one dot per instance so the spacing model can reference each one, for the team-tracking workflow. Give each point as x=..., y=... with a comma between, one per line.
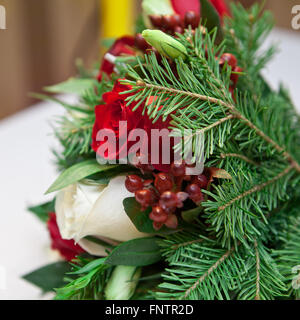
x=239, y=137
x=245, y=32
x=251, y=242
x=74, y=129
x=91, y=277
x=288, y=255
x=199, y=99
x=200, y=269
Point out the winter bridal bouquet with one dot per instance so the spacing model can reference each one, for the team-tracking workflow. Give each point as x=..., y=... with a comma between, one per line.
x=180, y=166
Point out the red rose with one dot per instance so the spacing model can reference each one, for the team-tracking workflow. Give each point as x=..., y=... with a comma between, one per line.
x=67, y=248
x=183, y=6
x=115, y=110
x=121, y=46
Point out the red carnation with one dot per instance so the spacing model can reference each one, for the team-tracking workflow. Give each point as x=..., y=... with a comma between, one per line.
x=122, y=46
x=109, y=115
x=67, y=248
x=183, y=6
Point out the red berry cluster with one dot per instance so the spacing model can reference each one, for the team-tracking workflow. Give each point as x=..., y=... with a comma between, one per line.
x=173, y=24
x=165, y=195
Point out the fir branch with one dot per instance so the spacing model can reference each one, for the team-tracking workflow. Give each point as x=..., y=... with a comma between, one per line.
x=197, y=98
x=185, y=244
x=237, y=210
x=205, y=271
x=288, y=255
x=263, y=280
x=208, y=273
x=256, y=188
x=234, y=114
x=257, y=296
x=216, y=124
x=236, y=155
x=74, y=129
x=199, y=269
x=244, y=32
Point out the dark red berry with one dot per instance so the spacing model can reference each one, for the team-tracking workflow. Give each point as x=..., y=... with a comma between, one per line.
x=178, y=29
x=201, y=181
x=195, y=193
x=140, y=42
x=133, y=183
x=157, y=225
x=158, y=215
x=168, y=201
x=230, y=59
x=181, y=197
x=156, y=20
x=168, y=22
x=177, y=21
x=145, y=197
x=163, y=182
x=172, y=222
x=191, y=19
x=178, y=169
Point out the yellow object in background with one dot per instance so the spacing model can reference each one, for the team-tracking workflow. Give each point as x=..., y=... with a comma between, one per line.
x=117, y=18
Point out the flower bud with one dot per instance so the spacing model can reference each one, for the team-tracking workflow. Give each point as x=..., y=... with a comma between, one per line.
x=165, y=44
x=123, y=282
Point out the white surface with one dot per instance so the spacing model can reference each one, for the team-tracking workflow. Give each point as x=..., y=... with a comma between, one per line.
x=27, y=170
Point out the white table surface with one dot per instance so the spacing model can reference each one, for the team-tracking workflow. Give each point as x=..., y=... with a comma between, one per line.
x=27, y=170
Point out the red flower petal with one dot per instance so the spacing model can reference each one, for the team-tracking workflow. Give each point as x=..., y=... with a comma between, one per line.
x=221, y=7
x=67, y=248
x=121, y=46
x=115, y=110
x=183, y=6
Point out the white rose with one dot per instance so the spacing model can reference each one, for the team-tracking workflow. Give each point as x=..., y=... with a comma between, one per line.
x=95, y=210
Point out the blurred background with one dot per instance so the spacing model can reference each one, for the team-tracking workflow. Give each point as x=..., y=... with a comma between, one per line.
x=44, y=38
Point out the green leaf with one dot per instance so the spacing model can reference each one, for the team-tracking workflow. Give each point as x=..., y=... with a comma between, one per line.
x=73, y=85
x=62, y=103
x=190, y=216
x=90, y=266
x=140, y=218
x=78, y=172
x=49, y=277
x=99, y=242
x=137, y=252
x=211, y=17
x=42, y=211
